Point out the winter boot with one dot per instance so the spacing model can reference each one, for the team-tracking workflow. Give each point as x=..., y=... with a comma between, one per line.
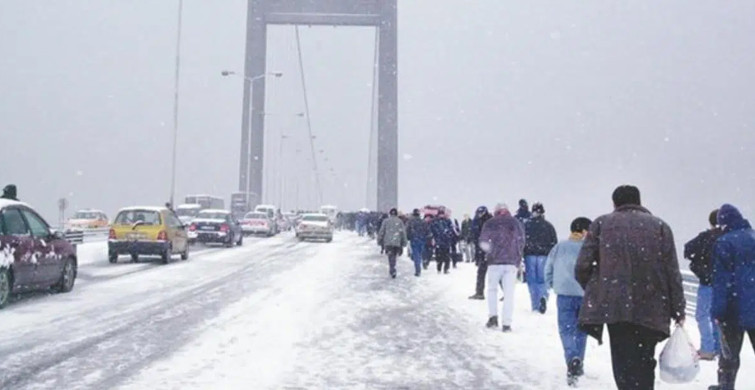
x=492, y=322
x=478, y=297
x=506, y=329
x=576, y=368
x=543, y=305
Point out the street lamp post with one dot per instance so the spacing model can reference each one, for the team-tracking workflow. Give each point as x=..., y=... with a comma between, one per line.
x=251, y=81
x=175, y=107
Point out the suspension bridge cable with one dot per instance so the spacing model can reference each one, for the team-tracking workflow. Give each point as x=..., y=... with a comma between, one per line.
x=306, y=111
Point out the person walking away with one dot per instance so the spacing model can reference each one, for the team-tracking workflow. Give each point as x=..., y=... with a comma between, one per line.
x=630, y=274
x=455, y=255
x=481, y=216
x=559, y=275
x=540, y=239
x=502, y=239
x=392, y=236
x=523, y=213
x=443, y=234
x=466, y=245
x=10, y=193
x=699, y=251
x=429, y=244
x=417, y=232
x=733, y=291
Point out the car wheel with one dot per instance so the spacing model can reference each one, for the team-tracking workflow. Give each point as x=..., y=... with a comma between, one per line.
x=329, y=239
x=300, y=238
x=113, y=258
x=6, y=285
x=185, y=254
x=167, y=256
x=240, y=242
x=230, y=241
x=67, y=277
x=135, y=258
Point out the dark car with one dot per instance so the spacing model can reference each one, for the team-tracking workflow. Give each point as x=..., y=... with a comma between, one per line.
x=216, y=226
x=32, y=256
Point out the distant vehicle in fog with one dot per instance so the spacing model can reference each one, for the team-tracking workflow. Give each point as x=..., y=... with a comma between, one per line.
x=32, y=256
x=216, y=226
x=273, y=212
x=257, y=223
x=206, y=201
x=187, y=212
x=330, y=211
x=87, y=219
x=314, y=227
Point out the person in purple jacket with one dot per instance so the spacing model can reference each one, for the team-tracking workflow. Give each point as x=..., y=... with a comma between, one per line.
x=502, y=239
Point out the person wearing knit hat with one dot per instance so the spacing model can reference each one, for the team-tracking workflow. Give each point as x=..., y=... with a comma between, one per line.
x=502, y=239
x=540, y=239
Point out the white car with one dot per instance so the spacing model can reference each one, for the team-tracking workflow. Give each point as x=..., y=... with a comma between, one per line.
x=257, y=223
x=314, y=227
x=188, y=212
x=272, y=213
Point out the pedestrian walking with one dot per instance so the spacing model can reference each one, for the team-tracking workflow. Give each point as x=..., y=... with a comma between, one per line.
x=540, y=239
x=466, y=242
x=523, y=213
x=392, y=237
x=699, y=251
x=733, y=291
x=429, y=244
x=418, y=232
x=559, y=275
x=481, y=216
x=443, y=234
x=630, y=274
x=502, y=239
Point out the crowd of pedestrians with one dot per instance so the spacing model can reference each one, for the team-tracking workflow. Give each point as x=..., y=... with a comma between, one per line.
x=618, y=273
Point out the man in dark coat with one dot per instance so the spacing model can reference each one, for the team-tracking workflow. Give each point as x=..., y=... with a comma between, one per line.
x=699, y=251
x=523, y=213
x=443, y=233
x=418, y=232
x=733, y=291
x=481, y=216
x=540, y=239
x=630, y=274
x=9, y=192
x=466, y=227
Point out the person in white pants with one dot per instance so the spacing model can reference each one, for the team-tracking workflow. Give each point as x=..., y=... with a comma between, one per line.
x=502, y=238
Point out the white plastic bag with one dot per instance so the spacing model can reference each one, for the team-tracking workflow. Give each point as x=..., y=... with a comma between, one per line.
x=679, y=362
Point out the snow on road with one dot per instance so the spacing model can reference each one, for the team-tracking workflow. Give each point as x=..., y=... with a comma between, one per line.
x=276, y=314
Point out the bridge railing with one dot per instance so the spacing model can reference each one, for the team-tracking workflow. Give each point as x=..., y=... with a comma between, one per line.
x=690, y=282
x=88, y=235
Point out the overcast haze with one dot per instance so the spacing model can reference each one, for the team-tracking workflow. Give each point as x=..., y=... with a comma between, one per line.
x=553, y=101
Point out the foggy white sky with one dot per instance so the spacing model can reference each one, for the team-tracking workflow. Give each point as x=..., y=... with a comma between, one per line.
x=552, y=101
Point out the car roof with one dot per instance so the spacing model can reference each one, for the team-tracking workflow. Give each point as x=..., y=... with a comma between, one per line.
x=206, y=211
x=89, y=211
x=143, y=208
x=314, y=215
x=7, y=202
x=189, y=206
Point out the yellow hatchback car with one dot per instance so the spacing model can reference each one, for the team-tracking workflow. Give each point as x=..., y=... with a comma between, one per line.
x=147, y=231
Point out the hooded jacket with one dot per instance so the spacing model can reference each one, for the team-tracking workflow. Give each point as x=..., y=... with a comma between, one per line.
x=417, y=230
x=392, y=233
x=502, y=238
x=734, y=270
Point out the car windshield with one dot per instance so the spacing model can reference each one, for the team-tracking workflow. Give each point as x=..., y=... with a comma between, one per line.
x=212, y=215
x=130, y=217
x=187, y=212
x=86, y=215
x=255, y=216
x=315, y=218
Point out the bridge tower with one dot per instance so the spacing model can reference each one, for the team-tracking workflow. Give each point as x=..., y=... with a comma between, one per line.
x=381, y=14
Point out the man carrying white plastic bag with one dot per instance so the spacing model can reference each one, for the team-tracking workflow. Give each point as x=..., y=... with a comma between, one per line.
x=679, y=361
